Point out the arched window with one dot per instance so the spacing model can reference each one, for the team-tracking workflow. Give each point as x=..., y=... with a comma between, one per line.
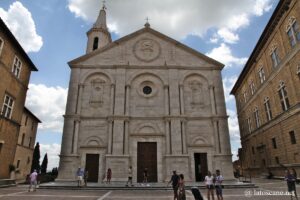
x=293, y=31
x=268, y=108
x=95, y=44
x=283, y=96
x=256, y=117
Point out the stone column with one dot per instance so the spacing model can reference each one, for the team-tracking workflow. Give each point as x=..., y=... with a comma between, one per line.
x=112, y=96
x=217, y=136
x=181, y=99
x=167, y=132
x=79, y=97
x=126, y=137
x=184, y=144
x=166, y=89
x=75, y=137
x=110, y=128
x=212, y=99
x=127, y=99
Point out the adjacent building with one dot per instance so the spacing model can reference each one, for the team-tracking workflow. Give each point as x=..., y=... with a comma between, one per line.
x=15, y=70
x=267, y=95
x=146, y=101
x=25, y=145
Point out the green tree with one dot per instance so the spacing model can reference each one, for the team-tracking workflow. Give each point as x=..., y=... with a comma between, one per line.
x=36, y=158
x=44, y=164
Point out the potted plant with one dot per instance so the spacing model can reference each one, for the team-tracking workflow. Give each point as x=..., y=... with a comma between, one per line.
x=12, y=171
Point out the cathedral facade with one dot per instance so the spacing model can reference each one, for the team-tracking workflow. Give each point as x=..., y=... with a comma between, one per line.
x=146, y=101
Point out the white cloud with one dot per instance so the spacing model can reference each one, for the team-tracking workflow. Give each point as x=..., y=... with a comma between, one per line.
x=48, y=104
x=20, y=22
x=175, y=18
x=223, y=54
x=228, y=36
x=52, y=150
x=228, y=83
x=262, y=6
x=233, y=124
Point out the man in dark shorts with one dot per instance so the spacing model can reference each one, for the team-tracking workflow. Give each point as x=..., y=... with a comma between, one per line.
x=218, y=185
x=174, y=180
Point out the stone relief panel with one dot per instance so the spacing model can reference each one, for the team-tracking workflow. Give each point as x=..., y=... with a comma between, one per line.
x=146, y=128
x=196, y=96
x=199, y=133
x=93, y=133
x=96, y=96
x=147, y=96
x=146, y=49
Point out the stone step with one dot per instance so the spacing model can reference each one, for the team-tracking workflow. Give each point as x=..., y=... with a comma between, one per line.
x=118, y=186
x=7, y=183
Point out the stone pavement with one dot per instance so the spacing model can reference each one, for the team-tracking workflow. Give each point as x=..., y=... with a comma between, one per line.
x=264, y=186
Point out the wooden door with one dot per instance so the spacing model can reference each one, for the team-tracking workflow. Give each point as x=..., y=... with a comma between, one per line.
x=147, y=158
x=92, y=166
x=201, y=168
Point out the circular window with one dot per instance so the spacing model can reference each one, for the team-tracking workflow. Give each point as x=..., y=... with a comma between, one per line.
x=147, y=90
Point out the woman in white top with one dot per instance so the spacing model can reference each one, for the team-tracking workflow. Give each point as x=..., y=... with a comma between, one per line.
x=209, y=182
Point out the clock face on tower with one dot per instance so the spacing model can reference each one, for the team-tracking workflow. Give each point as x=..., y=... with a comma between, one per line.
x=146, y=50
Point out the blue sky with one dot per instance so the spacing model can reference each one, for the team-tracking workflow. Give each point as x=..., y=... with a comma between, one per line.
x=53, y=32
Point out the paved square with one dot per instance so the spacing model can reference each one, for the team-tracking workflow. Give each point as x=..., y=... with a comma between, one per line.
x=21, y=192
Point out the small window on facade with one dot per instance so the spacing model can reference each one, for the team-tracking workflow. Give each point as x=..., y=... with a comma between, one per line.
x=23, y=138
x=26, y=120
x=253, y=151
x=264, y=162
x=298, y=70
x=1, y=45
x=256, y=117
x=268, y=108
x=275, y=57
x=16, y=69
x=252, y=87
x=29, y=144
x=18, y=163
x=283, y=96
x=32, y=125
x=7, y=107
x=95, y=43
x=249, y=124
x=28, y=160
x=277, y=160
x=293, y=137
x=261, y=74
x=293, y=32
x=274, y=143
x=245, y=96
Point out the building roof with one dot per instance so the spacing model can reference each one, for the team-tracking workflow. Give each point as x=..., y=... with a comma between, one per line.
x=30, y=113
x=9, y=34
x=280, y=9
x=154, y=32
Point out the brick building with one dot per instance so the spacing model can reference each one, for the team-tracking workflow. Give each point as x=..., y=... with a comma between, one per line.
x=25, y=145
x=15, y=70
x=268, y=96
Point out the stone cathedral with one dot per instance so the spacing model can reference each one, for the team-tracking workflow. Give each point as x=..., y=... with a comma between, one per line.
x=146, y=101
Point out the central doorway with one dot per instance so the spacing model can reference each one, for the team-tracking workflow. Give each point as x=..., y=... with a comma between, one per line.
x=201, y=168
x=147, y=158
x=92, y=166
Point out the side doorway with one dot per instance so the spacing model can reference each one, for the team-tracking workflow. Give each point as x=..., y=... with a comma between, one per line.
x=92, y=166
x=201, y=168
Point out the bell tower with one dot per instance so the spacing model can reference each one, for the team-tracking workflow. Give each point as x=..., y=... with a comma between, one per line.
x=98, y=35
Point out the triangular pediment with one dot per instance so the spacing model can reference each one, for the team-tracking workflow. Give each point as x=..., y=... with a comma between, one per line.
x=146, y=47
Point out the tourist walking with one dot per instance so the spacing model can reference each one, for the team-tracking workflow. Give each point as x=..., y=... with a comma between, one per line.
x=290, y=178
x=108, y=175
x=129, y=176
x=218, y=185
x=79, y=175
x=145, y=180
x=209, y=182
x=33, y=180
x=181, y=190
x=174, y=180
x=86, y=176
